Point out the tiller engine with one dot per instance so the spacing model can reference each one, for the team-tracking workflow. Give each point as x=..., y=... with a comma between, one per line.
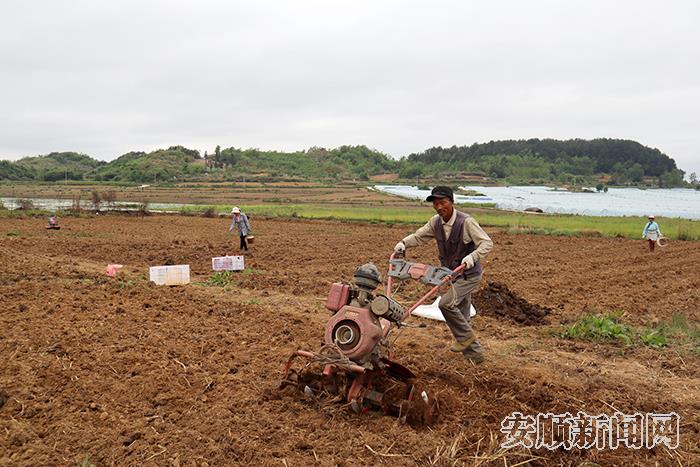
x=355, y=362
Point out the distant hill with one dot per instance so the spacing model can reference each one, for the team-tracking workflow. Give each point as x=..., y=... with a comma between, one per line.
x=176, y=162
x=345, y=162
x=548, y=160
x=59, y=166
x=12, y=171
x=533, y=161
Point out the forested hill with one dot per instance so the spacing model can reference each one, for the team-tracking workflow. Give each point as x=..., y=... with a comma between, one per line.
x=546, y=159
x=604, y=152
x=174, y=163
x=178, y=163
x=534, y=161
x=344, y=162
x=55, y=166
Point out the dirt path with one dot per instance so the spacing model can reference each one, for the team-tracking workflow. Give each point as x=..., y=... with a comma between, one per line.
x=126, y=372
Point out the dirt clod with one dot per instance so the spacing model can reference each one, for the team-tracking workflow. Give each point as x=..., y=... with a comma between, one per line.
x=497, y=300
x=132, y=438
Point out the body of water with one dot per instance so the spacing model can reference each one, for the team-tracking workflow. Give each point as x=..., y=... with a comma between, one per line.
x=676, y=202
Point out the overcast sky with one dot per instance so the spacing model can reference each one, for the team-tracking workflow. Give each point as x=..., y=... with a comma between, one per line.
x=108, y=77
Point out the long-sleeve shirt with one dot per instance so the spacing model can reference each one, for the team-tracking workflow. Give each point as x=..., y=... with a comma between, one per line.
x=651, y=231
x=472, y=231
x=242, y=225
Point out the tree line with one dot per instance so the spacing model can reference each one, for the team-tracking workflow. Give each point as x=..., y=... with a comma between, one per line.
x=577, y=161
x=550, y=160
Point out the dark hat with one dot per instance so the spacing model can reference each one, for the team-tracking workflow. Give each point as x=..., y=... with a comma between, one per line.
x=441, y=192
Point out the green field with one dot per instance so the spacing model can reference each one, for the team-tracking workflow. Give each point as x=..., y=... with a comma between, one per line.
x=545, y=224
x=346, y=208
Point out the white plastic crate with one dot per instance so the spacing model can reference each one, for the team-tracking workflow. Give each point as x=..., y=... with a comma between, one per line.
x=170, y=275
x=227, y=263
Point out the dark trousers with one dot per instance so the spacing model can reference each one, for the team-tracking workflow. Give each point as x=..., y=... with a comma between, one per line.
x=244, y=244
x=652, y=244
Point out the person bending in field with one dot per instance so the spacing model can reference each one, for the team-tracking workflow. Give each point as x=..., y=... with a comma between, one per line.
x=240, y=221
x=460, y=240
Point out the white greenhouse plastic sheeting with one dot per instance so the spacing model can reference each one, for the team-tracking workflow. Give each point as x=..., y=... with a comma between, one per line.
x=433, y=312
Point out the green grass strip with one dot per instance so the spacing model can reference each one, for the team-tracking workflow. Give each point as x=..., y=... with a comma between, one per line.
x=678, y=333
x=516, y=222
x=543, y=224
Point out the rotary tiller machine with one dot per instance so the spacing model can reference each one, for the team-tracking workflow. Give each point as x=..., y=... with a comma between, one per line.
x=354, y=364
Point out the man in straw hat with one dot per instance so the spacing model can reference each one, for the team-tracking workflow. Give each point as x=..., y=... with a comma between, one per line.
x=240, y=221
x=460, y=240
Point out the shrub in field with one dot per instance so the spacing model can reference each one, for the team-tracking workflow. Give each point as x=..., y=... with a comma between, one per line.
x=684, y=232
x=686, y=334
x=143, y=208
x=25, y=204
x=96, y=199
x=75, y=205
x=653, y=338
x=252, y=271
x=220, y=279
x=600, y=327
x=209, y=212
x=109, y=197
x=678, y=332
x=588, y=233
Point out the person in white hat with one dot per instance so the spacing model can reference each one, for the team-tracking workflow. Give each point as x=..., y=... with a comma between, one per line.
x=651, y=232
x=240, y=221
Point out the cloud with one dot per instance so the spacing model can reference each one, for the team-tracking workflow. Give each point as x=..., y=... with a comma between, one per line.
x=108, y=77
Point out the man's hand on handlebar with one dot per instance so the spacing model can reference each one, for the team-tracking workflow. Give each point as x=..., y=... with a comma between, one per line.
x=400, y=250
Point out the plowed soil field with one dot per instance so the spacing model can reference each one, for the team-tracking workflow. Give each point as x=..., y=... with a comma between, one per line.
x=120, y=371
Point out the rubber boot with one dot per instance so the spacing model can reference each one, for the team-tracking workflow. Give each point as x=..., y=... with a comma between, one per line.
x=461, y=346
